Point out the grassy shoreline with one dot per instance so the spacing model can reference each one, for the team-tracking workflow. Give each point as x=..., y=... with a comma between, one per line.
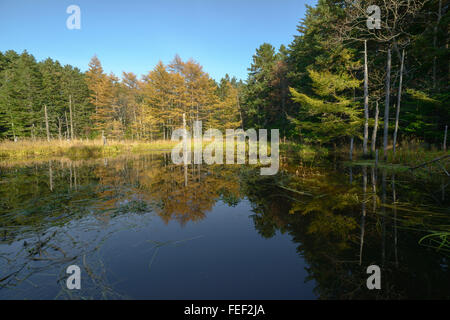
x=85, y=149
x=77, y=149
x=406, y=155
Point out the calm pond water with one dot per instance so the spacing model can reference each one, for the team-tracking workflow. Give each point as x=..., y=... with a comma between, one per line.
x=140, y=227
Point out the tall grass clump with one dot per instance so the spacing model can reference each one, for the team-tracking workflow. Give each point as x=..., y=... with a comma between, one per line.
x=413, y=153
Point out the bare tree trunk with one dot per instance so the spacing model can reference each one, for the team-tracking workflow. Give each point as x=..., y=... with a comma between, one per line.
x=399, y=97
x=46, y=123
x=386, y=105
x=67, y=126
x=351, y=148
x=366, y=100
x=14, y=132
x=59, y=129
x=103, y=138
x=375, y=127
x=445, y=139
x=71, y=119
x=240, y=111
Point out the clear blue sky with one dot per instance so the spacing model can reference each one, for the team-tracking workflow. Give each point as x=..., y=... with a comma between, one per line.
x=132, y=35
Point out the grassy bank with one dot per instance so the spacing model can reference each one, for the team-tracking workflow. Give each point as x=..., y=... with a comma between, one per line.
x=406, y=156
x=77, y=149
x=85, y=149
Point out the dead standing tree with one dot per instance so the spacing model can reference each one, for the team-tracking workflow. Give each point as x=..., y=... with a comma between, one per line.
x=391, y=20
x=399, y=97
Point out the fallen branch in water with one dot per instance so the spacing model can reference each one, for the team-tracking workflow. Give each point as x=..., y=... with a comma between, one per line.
x=296, y=191
x=428, y=162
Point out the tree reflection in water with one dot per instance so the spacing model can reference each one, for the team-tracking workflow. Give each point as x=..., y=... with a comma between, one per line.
x=53, y=214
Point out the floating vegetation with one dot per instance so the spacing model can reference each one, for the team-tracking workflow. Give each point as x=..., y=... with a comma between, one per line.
x=159, y=244
x=439, y=240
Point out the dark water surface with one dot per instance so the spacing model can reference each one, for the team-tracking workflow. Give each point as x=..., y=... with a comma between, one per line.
x=140, y=227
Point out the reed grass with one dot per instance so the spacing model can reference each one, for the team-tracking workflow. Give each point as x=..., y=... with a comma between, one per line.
x=77, y=149
x=413, y=154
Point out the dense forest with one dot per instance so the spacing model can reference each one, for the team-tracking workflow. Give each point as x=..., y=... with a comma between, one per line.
x=337, y=80
x=45, y=99
x=315, y=88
